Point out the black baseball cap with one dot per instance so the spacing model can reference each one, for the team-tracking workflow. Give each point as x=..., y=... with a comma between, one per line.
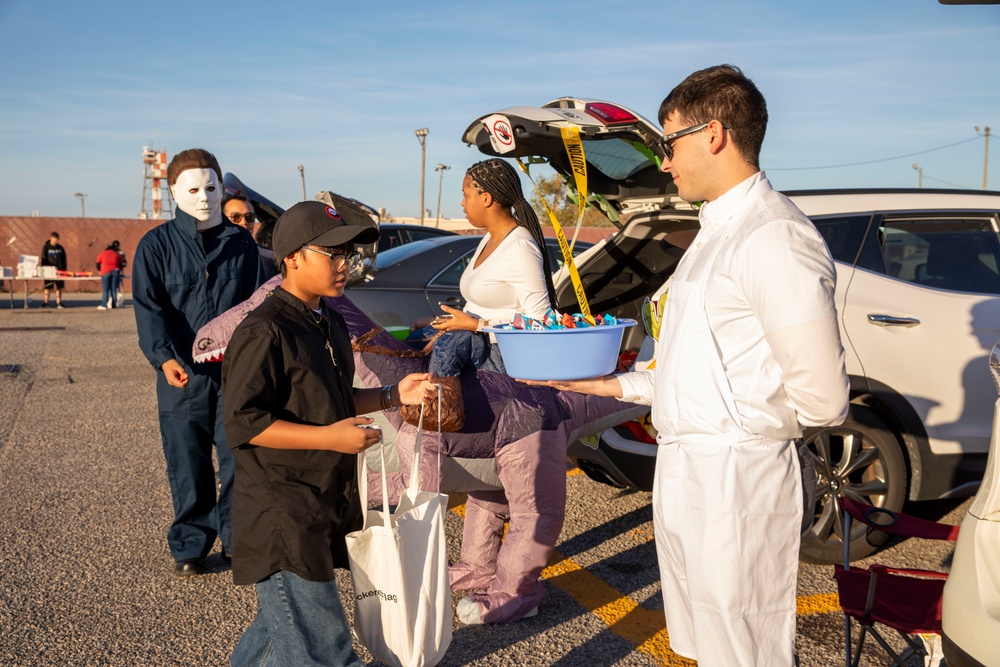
x=316, y=223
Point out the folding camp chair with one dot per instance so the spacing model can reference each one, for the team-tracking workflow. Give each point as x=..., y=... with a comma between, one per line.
x=909, y=601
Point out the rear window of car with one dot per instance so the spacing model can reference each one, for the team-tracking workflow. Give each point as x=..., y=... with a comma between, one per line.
x=401, y=252
x=421, y=234
x=616, y=158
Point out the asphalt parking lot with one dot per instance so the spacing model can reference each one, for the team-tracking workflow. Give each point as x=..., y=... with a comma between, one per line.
x=86, y=578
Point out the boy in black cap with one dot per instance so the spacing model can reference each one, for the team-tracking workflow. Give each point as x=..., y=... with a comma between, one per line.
x=290, y=420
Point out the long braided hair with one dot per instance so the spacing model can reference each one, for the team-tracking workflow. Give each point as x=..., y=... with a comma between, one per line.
x=498, y=178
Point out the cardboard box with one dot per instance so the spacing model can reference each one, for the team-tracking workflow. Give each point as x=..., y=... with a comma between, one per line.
x=27, y=270
x=6, y=272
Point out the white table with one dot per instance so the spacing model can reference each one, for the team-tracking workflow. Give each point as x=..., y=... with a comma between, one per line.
x=46, y=280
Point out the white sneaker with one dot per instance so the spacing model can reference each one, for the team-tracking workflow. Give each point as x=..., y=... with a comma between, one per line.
x=468, y=612
x=102, y=308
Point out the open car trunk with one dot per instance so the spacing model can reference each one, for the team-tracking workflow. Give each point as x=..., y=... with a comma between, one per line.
x=620, y=147
x=623, y=160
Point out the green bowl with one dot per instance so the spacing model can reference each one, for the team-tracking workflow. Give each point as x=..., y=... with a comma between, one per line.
x=399, y=333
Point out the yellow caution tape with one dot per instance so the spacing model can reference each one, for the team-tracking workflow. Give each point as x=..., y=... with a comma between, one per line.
x=574, y=150
x=581, y=296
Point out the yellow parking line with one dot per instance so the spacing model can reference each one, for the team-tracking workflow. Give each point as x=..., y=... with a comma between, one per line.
x=643, y=629
x=822, y=603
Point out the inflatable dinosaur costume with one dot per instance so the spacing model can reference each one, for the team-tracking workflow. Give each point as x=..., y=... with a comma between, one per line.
x=509, y=457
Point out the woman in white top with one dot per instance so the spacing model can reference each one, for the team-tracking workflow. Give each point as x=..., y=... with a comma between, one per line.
x=509, y=274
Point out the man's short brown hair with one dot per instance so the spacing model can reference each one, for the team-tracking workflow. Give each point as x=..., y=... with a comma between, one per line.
x=725, y=94
x=192, y=158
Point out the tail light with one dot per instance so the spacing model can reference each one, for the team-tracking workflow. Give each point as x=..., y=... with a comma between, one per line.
x=609, y=114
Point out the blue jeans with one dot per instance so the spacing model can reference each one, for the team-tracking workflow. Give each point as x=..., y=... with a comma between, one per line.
x=117, y=286
x=298, y=622
x=456, y=350
x=107, y=288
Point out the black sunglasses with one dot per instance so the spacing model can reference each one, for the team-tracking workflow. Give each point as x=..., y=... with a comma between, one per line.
x=236, y=217
x=667, y=140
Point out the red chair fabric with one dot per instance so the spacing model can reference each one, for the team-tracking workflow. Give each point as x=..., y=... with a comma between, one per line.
x=907, y=600
x=898, y=524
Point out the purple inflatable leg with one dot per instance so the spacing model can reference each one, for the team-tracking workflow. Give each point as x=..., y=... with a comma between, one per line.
x=485, y=514
x=533, y=472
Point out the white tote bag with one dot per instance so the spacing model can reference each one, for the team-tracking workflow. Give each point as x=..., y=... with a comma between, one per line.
x=399, y=568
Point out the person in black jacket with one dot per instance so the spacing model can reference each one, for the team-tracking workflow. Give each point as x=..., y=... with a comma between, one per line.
x=186, y=272
x=290, y=414
x=53, y=254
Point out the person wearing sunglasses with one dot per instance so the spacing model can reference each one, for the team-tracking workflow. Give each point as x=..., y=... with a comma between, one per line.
x=748, y=355
x=239, y=210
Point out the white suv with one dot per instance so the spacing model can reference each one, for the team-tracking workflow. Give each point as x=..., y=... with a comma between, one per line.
x=918, y=294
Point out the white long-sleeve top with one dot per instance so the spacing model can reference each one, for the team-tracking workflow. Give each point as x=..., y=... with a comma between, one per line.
x=511, y=280
x=766, y=359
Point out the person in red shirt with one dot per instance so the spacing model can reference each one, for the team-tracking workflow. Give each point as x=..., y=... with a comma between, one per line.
x=109, y=263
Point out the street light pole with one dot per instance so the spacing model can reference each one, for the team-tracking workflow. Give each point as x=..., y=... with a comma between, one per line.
x=986, y=152
x=422, y=137
x=83, y=212
x=920, y=175
x=441, y=168
x=302, y=173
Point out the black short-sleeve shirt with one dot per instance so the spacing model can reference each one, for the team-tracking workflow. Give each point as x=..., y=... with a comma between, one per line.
x=291, y=507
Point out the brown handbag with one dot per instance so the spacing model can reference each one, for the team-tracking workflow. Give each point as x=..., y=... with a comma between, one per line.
x=452, y=403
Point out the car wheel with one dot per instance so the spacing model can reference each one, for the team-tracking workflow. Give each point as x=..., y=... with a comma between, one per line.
x=860, y=459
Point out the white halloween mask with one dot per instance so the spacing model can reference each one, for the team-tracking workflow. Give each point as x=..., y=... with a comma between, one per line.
x=199, y=194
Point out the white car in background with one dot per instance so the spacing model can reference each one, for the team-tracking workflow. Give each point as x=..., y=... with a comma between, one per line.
x=918, y=294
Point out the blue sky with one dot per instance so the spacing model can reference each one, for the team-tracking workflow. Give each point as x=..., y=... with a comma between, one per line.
x=340, y=87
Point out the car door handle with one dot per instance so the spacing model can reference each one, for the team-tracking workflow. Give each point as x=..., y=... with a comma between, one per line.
x=892, y=321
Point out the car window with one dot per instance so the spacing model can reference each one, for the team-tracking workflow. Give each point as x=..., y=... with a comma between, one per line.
x=388, y=238
x=401, y=252
x=845, y=237
x=555, y=254
x=960, y=254
x=452, y=276
x=616, y=158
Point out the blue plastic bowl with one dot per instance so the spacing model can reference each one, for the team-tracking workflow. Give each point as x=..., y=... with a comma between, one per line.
x=561, y=354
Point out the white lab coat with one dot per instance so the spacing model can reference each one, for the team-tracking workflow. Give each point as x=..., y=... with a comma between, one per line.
x=749, y=353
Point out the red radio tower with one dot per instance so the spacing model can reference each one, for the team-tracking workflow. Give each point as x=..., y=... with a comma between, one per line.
x=154, y=174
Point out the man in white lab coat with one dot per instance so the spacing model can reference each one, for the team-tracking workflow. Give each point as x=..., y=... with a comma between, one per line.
x=749, y=353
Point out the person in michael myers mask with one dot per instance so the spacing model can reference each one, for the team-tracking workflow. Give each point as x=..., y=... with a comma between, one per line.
x=186, y=272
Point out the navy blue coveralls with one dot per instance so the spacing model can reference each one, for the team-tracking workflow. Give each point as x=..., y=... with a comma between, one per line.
x=180, y=280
